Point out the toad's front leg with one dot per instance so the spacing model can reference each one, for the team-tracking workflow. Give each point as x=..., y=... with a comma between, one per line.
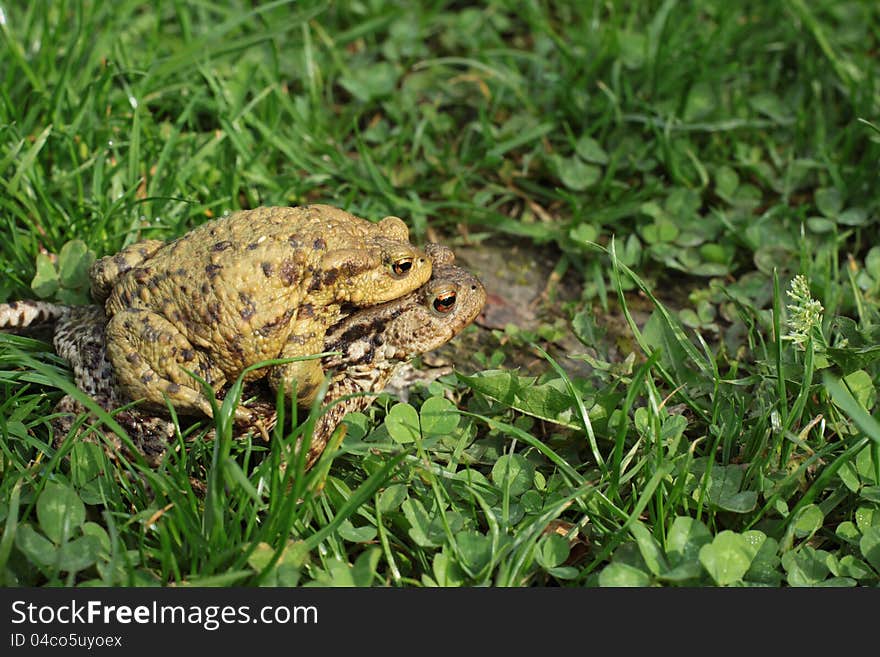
x=306, y=376
x=150, y=358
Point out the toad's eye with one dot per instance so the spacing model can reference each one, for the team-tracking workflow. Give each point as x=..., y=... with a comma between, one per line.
x=401, y=267
x=444, y=302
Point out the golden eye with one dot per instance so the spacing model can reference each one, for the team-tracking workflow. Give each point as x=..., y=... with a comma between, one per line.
x=444, y=302
x=401, y=267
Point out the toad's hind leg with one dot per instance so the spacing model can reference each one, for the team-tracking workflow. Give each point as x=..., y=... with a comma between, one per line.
x=149, y=434
x=150, y=357
x=65, y=413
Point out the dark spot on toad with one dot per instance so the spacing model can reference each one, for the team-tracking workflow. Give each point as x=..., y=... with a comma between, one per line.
x=205, y=289
x=319, y=244
x=146, y=377
x=267, y=268
x=187, y=354
x=121, y=263
x=214, y=312
x=358, y=331
x=283, y=320
x=252, y=246
x=306, y=310
x=297, y=339
x=249, y=308
x=181, y=271
x=133, y=358
x=221, y=246
x=173, y=388
x=287, y=271
x=213, y=269
x=149, y=332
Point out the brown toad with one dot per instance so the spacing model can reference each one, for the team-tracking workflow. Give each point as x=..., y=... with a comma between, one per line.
x=255, y=285
x=375, y=342
x=370, y=344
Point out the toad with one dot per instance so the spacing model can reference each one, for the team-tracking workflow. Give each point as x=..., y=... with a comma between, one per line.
x=368, y=346
x=253, y=286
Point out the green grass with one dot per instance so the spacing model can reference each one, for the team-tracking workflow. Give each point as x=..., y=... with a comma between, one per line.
x=688, y=159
